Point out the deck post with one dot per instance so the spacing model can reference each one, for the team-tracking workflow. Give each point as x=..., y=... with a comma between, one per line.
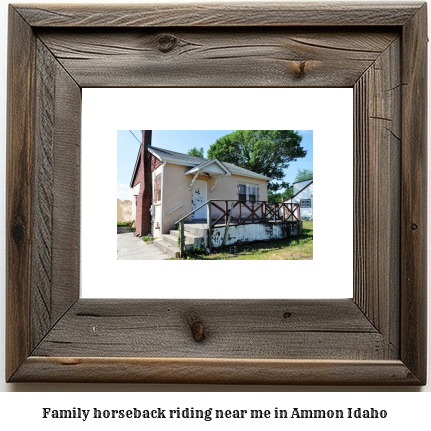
x=227, y=224
x=209, y=221
x=182, y=239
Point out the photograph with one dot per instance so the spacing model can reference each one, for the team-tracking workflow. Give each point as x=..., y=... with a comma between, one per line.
x=215, y=194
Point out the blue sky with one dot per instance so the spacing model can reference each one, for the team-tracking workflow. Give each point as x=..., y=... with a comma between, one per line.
x=182, y=141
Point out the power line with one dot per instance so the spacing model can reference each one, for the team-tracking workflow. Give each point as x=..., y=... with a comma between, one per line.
x=135, y=137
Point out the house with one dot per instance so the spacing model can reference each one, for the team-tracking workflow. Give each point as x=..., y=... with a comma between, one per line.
x=214, y=203
x=180, y=183
x=303, y=195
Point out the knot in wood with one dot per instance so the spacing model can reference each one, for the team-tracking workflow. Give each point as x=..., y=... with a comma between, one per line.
x=414, y=226
x=167, y=42
x=197, y=327
x=300, y=69
x=287, y=314
x=18, y=232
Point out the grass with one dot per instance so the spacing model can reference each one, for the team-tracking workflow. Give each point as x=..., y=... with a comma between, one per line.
x=123, y=223
x=148, y=239
x=294, y=248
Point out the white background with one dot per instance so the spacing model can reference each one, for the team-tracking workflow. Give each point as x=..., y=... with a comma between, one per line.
x=406, y=409
x=328, y=112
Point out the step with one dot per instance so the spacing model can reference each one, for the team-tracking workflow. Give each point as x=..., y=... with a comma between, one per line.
x=167, y=247
x=191, y=239
x=198, y=229
x=197, y=241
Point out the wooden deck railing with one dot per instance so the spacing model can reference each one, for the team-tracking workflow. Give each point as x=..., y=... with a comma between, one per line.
x=245, y=213
x=253, y=212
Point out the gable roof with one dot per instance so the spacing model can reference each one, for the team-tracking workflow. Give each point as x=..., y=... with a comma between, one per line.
x=193, y=161
x=297, y=182
x=169, y=155
x=208, y=164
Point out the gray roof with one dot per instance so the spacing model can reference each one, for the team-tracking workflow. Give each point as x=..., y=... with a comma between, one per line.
x=241, y=171
x=163, y=154
x=195, y=161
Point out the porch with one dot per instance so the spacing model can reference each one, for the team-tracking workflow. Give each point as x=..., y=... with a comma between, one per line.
x=234, y=222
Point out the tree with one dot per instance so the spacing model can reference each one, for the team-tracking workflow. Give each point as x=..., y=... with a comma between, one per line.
x=274, y=197
x=288, y=193
x=280, y=196
x=303, y=174
x=266, y=152
x=196, y=152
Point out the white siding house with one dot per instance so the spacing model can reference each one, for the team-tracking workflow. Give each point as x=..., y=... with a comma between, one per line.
x=303, y=194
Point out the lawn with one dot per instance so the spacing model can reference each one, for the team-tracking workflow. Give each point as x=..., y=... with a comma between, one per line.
x=295, y=248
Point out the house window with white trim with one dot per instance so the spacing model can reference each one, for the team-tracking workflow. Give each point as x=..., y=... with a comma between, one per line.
x=247, y=192
x=305, y=203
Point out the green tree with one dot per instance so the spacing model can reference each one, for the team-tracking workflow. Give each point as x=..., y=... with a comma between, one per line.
x=266, y=152
x=274, y=197
x=280, y=196
x=196, y=152
x=287, y=194
x=303, y=174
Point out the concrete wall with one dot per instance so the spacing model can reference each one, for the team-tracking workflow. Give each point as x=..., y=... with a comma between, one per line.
x=255, y=232
x=175, y=192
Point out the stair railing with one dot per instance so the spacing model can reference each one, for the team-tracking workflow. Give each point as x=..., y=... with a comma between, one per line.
x=181, y=222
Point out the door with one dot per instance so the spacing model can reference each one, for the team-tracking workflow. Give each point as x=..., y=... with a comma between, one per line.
x=199, y=197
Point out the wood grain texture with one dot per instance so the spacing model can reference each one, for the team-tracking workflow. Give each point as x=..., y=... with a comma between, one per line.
x=220, y=14
x=55, y=278
x=414, y=195
x=378, y=338
x=215, y=58
x=67, y=198
x=234, y=329
x=377, y=175
x=215, y=371
x=43, y=194
x=19, y=198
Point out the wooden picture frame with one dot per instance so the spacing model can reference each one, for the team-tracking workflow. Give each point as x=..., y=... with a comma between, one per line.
x=378, y=337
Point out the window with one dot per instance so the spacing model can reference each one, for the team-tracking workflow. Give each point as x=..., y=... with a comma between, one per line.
x=305, y=203
x=158, y=189
x=247, y=192
x=252, y=193
x=242, y=193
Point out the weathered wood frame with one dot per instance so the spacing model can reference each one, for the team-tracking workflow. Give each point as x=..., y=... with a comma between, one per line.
x=378, y=337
